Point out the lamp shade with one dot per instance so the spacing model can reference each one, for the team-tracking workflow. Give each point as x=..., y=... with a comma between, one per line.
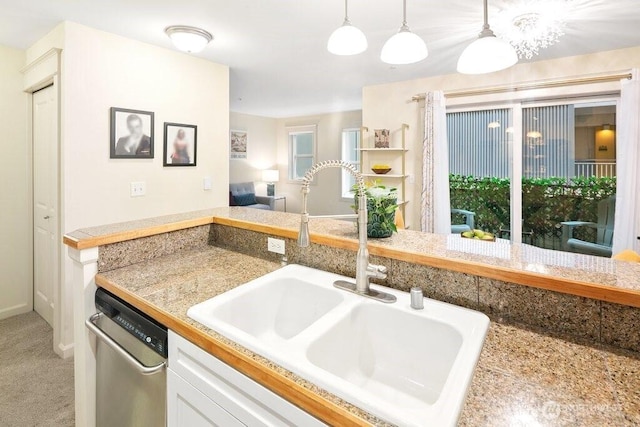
x=188, y=39
x=270, y=175
x=486, y=55
x=347, y=40
x=404, y=48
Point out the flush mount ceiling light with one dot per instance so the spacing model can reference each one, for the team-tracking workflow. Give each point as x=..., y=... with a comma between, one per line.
x=347, y=39
x=487, y=54
x=494, y=125
x=188, y=39
x=531, y=25
x=404, y=47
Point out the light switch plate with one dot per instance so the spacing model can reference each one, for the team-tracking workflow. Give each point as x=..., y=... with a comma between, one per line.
x=206, y=183
x=275, y=245
x=138, y=189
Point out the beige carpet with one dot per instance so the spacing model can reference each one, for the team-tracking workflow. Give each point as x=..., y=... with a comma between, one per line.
x=36, y=386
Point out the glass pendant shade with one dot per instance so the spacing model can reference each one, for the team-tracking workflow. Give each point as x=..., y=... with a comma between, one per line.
x=404, y=48
x=487, y=55
x=347, y=40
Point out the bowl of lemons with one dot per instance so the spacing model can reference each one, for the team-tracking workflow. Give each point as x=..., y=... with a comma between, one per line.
x=479, y=235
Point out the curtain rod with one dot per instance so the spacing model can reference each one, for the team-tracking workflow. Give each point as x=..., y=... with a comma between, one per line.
x=533, y=85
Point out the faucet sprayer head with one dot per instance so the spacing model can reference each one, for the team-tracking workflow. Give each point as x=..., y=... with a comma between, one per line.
x=303, y=235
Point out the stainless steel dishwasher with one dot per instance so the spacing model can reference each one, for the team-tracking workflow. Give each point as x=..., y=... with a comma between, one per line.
x=131, y=359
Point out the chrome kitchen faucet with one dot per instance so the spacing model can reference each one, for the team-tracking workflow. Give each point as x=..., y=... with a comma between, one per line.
x=364, y=269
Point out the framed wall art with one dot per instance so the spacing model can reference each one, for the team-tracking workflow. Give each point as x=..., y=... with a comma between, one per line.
x=131, y=134
x=238, y=140
x=180, y=144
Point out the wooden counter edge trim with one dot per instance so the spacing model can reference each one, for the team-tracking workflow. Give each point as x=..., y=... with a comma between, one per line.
x=531, y=279
x=123, y=236
x=298, y=395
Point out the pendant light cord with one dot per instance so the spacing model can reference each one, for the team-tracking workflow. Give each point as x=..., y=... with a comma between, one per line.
x=346, y=13
x=404, y=13
x=486, y=29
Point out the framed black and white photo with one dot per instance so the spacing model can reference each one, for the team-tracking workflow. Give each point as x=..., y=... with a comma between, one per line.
x=238, y=144
x=131, y=134
x=180, y=144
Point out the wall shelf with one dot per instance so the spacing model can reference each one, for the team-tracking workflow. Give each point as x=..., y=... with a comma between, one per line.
x=387, y=175
x=395, y=155
x=388, y=150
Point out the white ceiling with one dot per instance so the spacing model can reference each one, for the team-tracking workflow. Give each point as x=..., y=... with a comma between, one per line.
x=276, y=49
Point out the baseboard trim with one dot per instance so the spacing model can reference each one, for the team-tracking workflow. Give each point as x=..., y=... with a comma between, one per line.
x=64, y=351
x=15, y=310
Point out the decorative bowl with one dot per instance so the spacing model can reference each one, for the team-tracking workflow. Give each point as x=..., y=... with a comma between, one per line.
x=381, y=171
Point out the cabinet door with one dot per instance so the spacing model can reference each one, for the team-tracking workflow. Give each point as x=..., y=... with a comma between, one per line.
x=245, y=399
x=186, y=406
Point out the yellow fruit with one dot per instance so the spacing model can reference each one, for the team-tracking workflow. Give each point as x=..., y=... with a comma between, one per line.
x=468, y=234
x=479, y=233
x=487, y=237
x=380, y=166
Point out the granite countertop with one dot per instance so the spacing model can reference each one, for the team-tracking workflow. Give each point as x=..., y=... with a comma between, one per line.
x=521, y=259
x=524, y=377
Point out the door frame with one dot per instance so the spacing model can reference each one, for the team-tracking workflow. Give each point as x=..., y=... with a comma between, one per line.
x=40, y=73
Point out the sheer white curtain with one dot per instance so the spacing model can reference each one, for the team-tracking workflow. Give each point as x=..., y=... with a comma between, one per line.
x=436, y=213
x=627, y=221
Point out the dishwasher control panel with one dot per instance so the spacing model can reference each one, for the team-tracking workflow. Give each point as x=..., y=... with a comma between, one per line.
x=138, y=324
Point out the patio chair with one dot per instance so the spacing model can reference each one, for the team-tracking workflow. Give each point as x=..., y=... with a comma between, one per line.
x=469, y=218
x=604, y=237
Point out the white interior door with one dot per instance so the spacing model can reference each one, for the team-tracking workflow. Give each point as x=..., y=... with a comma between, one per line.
x=45, y=202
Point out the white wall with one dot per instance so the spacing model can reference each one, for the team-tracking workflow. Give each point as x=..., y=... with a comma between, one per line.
x=325, y=197
x=389, y=105
x=261, y=151
x=102, y=70
x=15, y=190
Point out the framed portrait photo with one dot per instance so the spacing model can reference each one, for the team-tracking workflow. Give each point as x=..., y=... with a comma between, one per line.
x=180, y=144
x=238, y=144
x=131, y=134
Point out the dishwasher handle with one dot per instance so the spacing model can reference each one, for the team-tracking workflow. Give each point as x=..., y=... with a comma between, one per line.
x=143, y=370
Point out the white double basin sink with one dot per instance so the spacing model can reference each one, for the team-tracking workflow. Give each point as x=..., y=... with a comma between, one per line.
x=408, y=367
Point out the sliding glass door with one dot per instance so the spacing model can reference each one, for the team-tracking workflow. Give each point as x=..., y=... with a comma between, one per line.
x=525, y=170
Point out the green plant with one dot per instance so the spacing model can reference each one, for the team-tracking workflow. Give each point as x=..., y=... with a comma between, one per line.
x=382, y=203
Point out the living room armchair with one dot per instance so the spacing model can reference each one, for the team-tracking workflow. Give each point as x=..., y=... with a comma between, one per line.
x=244, y=194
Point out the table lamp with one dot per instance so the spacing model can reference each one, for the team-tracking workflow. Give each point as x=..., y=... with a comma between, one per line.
x=270, y=176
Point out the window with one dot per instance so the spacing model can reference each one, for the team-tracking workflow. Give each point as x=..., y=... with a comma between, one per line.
x=350, y=154
x=302, y=150
x=526, y=168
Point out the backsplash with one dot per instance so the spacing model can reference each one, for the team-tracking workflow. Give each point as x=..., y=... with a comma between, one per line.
x=554, y=312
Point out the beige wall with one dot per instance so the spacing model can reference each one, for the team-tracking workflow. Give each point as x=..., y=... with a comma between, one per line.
x=102, y=70
x=325, y=197
x=261, y=151
x=15, y=189
x=388, y=105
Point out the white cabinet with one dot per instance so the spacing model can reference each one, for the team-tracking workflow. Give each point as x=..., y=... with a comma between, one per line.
x=204, y=391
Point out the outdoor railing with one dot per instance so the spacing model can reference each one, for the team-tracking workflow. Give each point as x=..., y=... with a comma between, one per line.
x=594, y=167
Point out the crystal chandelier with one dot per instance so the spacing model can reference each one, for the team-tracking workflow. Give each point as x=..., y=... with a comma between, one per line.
x=531, y=25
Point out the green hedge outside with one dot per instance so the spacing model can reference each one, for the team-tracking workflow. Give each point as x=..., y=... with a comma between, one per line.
x=546, y=203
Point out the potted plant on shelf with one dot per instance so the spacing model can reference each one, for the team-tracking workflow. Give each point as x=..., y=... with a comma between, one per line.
x=382, y=204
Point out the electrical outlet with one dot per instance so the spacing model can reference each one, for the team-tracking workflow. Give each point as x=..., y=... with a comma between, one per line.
x=138, y=189
x=275, y=245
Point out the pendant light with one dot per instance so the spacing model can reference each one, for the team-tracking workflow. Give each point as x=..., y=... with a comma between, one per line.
x=347, y=39
x=404, y=47
x=487, y=54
